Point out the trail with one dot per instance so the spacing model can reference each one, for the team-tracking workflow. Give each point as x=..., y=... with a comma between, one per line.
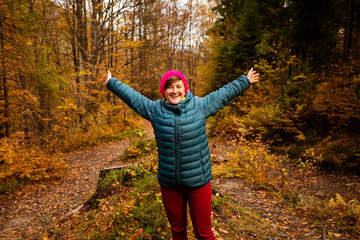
x=289, y=224
x=40, y=205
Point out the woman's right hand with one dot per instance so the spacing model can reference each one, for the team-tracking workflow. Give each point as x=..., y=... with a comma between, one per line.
x=106, y=77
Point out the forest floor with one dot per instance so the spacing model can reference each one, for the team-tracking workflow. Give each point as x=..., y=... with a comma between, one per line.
x=36, y=207
x=292, y=223
x=39, y=205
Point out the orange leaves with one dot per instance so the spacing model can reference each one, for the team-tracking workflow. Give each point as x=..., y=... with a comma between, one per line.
x=137, y=235
x=251, y=162
x=68, y=132
x=21, y=162
x=337, y=96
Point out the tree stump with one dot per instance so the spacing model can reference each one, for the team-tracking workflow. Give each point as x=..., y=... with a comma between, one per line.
x=99, y=191
x=104, y=172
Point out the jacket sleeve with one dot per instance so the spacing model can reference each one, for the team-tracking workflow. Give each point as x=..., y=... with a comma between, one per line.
x=139, y=103
x=218, y=99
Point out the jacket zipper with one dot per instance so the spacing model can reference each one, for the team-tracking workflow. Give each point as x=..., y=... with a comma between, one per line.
x=177, y=151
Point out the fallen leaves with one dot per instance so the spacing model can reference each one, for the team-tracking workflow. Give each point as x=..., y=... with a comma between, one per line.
x=137, y=235
x=337, y=235
x=49, y=200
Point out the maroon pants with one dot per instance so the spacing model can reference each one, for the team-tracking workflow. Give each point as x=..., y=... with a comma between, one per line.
x=199, y=199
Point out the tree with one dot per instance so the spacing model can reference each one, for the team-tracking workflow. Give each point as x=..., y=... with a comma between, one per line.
x=6, y=110
x=241, y=27
x=313, y=30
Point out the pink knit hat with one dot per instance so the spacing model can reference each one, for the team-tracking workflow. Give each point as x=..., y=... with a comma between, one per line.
x=167, y=76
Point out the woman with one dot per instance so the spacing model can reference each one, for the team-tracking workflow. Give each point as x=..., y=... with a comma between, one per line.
x=184, y=168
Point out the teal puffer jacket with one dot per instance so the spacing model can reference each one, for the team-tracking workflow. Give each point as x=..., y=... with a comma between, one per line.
x=180, y=134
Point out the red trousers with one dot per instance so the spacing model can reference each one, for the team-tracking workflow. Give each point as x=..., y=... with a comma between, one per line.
x=175, y=200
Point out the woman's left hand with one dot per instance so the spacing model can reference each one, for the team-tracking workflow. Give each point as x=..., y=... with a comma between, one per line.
x=253, y=76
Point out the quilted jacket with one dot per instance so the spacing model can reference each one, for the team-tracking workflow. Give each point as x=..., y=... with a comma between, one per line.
x=180, y=134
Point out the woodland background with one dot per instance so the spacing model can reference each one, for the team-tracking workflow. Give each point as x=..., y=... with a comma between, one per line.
x=54, y=54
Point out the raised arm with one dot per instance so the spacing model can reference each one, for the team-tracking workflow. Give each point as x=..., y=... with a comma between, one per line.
x=139, y=103
x=220, y=98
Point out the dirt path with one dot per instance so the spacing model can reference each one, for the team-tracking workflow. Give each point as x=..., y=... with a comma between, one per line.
x=38, y=206
x=270, y=210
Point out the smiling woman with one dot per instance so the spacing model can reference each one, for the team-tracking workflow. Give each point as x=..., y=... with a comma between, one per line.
x=175, y=85
x=174, y=90
x=184, y=168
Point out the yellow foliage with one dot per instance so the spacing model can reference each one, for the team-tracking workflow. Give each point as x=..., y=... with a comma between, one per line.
x=37, y=155
x=251, y=161
x=337, y=95
x=340, y=207
x=307, y=162
x=23, y=162
x=68, y=132
x=340, y=199
x=332, y=202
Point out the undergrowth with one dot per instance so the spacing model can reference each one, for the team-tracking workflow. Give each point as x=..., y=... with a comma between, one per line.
x=291, y=181
x=23, y=162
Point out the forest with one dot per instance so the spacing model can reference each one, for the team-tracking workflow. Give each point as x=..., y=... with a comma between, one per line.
x=53, y=55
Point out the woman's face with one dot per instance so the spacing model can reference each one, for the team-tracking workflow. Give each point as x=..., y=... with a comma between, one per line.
x=175, y=92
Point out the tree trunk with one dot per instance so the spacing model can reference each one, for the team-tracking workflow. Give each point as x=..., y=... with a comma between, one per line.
x=82, y=35
x=348, y=38
x=132, y=54
x=4, y=84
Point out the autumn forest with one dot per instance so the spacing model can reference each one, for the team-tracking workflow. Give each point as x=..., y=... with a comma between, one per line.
x=302, y=119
